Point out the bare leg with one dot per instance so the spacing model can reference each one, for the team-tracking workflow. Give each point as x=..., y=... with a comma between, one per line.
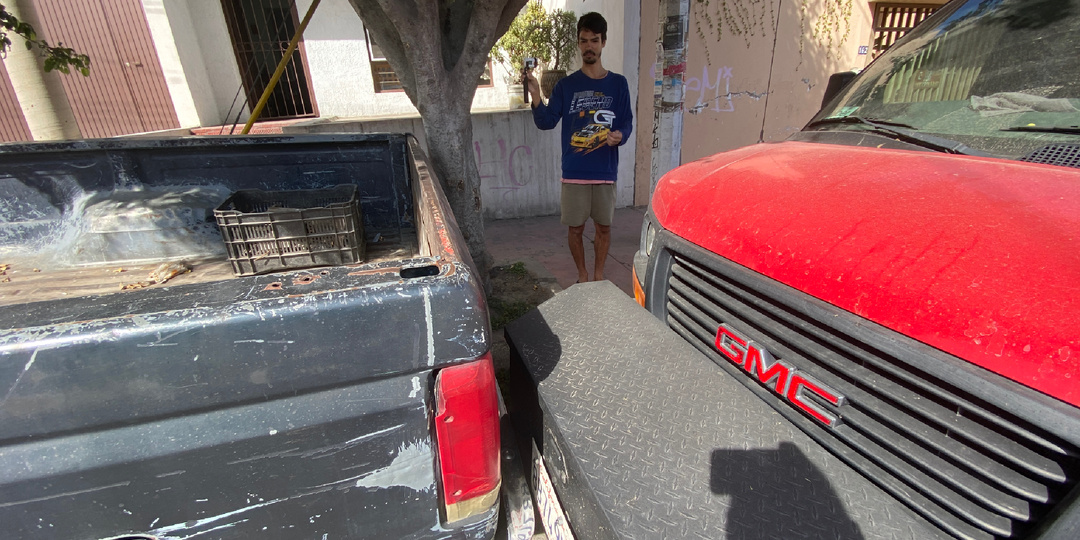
x=577, y=251
x=601, y=245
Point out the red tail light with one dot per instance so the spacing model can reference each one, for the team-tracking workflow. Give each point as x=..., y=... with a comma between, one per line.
x=467, y=430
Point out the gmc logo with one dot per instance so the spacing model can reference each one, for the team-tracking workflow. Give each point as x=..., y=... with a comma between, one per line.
x=779, y=376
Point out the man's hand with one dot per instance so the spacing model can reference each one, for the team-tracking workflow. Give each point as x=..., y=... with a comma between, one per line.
x=534, y=88
x=614, y=138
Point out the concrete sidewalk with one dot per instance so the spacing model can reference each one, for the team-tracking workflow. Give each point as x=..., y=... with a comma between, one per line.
x=540, y=243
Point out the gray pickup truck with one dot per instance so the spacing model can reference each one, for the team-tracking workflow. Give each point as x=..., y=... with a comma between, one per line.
x=147, y=391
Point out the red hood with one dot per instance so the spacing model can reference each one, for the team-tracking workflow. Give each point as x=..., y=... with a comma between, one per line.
x=977, y=257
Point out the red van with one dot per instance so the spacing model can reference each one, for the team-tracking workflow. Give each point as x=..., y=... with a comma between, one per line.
x=901, y=278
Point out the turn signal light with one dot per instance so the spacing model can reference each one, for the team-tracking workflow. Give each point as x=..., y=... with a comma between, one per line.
x=639, y=293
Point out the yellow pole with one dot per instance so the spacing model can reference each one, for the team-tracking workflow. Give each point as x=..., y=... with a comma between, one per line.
x=280, y=69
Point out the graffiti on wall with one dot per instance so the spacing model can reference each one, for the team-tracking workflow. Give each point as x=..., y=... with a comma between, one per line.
x=712, y=93
x=503, y=170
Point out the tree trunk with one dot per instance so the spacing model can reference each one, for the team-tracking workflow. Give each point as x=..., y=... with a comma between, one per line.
x=449, y=139
x=439, y=48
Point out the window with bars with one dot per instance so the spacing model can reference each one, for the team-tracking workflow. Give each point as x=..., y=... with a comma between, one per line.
x=387, y=81
x=892, y=21
x=261, y=31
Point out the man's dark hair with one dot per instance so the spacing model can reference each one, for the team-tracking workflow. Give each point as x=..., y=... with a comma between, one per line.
x=593, y=22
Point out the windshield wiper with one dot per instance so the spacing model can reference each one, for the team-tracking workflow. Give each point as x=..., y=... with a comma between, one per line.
x=903, y=132
x=874, y=122
x=1074, y=130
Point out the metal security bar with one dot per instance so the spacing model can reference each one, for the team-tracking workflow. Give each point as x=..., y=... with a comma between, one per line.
x=260, y=32
x=892, y=21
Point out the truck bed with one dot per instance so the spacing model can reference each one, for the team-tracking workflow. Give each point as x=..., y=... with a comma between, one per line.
x=97, y=217
x=27, y=281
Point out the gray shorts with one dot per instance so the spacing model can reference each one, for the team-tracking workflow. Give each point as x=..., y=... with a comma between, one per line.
x=581, y=201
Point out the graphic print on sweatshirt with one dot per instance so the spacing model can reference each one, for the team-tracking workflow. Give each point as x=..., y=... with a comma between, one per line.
x=593, y=122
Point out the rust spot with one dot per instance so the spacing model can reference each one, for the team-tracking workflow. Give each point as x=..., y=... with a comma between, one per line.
x=304, y=280
x=275, y=286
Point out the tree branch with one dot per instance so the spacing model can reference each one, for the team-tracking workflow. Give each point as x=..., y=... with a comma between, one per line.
x=480, y=37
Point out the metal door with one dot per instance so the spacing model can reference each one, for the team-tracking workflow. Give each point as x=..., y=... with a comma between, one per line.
x=126, y=90
x=12, y=123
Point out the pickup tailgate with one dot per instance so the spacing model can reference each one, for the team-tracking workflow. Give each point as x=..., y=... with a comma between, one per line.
x=298, y=410
x=644, y=437
x=292, y=405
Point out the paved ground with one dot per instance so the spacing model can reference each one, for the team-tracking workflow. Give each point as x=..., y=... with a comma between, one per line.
x=540, y=242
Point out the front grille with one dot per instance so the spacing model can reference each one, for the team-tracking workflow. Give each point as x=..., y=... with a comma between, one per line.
x=966, y=465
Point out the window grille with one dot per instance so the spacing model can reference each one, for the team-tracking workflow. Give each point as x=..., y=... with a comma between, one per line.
x=892, y=21
x=386, y=80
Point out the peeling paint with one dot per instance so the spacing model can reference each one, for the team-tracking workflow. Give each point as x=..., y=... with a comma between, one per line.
x=411, y=468
x=430, y=327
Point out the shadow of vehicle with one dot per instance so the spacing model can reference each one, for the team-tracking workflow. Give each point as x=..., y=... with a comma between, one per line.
x=774, y=492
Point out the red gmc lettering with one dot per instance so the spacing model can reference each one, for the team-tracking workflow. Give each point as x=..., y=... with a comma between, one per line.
x=800, y=385
x=731, y=345
x=765, y=367
x=779, y=376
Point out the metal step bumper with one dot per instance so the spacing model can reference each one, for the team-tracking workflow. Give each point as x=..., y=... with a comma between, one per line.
x=645, y=437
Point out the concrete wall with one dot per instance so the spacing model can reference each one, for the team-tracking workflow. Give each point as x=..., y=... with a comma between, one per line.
x=519, y=165
x=171, y=65
x=742, y=89
x=205, y=55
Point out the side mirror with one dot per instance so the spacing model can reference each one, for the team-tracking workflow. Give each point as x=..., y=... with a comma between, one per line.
x=837, y=82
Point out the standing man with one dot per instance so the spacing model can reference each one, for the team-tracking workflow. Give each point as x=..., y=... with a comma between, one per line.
x=594, y=106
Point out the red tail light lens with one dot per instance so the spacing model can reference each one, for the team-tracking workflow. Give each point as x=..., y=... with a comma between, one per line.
x=467, y=431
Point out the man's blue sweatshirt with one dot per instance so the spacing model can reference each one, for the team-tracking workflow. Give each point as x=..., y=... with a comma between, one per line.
x=589, y=109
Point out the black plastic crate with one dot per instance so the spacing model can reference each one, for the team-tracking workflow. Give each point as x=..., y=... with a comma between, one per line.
x=267, y=231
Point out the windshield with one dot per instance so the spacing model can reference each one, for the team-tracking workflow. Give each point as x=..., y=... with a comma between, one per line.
x=1001, y=77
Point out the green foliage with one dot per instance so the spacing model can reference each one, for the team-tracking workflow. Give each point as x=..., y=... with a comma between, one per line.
x=827, y=29
x=517, y=269
x=549, y=37
x=504, y=312
x=59, y=58
x=525, y=38
x=561, y=38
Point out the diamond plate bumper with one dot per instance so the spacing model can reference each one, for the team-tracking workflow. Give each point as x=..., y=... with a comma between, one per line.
x=644, y=437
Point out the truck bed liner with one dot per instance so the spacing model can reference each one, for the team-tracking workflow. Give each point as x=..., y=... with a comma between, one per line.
x=644, y=437
x=36, y=282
